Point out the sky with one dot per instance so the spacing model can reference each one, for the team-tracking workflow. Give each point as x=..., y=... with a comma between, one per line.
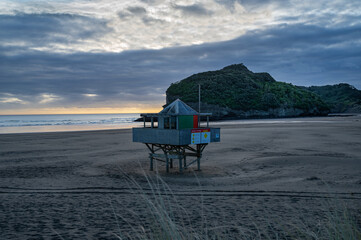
x=111, y=56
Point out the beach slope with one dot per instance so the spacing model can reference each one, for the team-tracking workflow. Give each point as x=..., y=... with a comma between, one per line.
x=263, y=177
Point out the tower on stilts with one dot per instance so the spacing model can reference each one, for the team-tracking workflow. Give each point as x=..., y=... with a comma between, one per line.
x=176, y=134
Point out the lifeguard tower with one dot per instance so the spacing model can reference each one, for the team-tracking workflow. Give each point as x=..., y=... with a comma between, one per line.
x=177, y=135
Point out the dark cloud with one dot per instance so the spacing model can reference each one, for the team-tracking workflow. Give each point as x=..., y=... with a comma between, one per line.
x=193, y=10
x=252, y=4
x=295, y=53
x=40, y=29
x=137, y=10
x=149, y=1
x=132, y=12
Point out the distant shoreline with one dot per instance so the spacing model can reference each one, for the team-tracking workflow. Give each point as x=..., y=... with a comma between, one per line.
x=257, y=118
x=104, y=127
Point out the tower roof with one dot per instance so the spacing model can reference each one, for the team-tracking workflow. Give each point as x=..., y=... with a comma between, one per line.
x=178, y=108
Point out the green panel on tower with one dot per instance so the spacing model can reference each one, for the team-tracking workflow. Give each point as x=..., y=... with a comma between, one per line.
x=185, y=121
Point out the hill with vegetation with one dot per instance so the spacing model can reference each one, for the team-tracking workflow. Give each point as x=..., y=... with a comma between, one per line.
x=340, y=98
x=236, y=92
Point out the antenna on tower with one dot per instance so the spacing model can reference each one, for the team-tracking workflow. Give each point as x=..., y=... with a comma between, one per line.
x=199, y=105
x=199, y=98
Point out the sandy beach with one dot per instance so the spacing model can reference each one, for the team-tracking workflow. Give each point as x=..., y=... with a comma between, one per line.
x=262, y=178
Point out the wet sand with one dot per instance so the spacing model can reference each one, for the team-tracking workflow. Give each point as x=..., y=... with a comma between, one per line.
x=263, y=177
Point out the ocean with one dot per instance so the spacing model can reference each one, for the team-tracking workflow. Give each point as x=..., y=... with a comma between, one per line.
x=66, y=122
x=88, y=122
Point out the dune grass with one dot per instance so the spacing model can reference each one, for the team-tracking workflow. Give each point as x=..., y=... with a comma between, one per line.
x=167, y=219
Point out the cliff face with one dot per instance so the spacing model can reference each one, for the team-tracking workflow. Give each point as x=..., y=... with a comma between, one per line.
x=236, y=92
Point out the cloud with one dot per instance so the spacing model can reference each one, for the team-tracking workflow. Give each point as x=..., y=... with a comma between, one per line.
x=193, y=10
x=295, y=53
x=90, y=95
x=115, y=26
x=255, y=5
x=102, y=54
x=48, y=98
x=8, y=99
x=11, y=100
x=31, y=31
x=137, y=10
x=133, y=11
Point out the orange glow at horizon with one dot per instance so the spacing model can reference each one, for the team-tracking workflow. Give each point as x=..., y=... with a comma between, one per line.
x=79, y=111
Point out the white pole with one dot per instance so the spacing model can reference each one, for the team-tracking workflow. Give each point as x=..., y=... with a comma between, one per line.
x=199, y=105
x=199, y=98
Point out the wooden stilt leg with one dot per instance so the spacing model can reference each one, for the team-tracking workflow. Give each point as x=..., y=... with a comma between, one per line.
x=151, y=161
x=198, y=157
x=180, y=164
x=167, y=163
x=171, y=153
